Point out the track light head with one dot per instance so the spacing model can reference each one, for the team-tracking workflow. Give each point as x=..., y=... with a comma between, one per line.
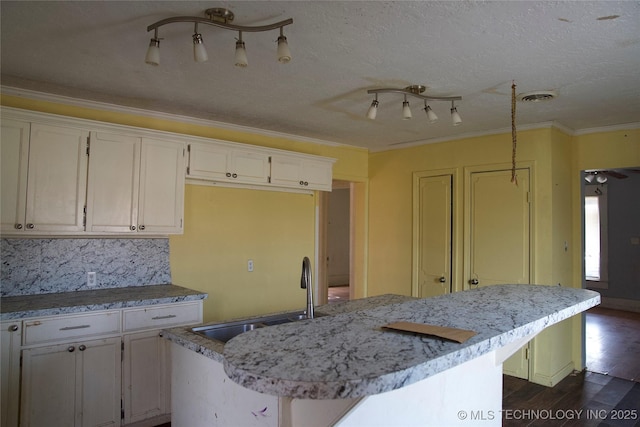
x=406, y=111
x=284, y=54
x=455, y=117
x=199, y=52
x=373, y=109
x=430, y=114
x=601, y=179
x=153, y=52
x=241, y=53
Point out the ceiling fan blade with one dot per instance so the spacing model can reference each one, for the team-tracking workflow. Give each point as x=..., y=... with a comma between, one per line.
x=614, y=174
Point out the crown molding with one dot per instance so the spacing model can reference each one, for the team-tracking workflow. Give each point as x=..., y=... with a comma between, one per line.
x=612, y=128
x=104, y=106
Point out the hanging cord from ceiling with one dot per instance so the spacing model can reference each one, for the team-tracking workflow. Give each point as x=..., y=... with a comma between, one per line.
x=514, y=176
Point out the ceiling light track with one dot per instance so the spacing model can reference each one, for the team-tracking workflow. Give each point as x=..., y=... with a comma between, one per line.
x=415, y=91
x=218, y=17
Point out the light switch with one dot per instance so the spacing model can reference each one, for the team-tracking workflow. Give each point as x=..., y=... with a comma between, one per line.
x=250, y=265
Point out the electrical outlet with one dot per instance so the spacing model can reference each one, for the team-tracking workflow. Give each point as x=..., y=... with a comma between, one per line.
x=91, y=279
x=250, y=265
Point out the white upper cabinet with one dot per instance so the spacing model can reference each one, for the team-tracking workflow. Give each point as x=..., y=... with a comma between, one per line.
x=300, y=172
x=240, y=164
x=56, y=169
x=136, y=185
x=161, y=198
x=225, y=163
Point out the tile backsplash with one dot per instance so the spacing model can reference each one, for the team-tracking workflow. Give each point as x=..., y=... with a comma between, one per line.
x=38, y=266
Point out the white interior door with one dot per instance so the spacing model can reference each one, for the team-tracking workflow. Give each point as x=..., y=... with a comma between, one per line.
x=498, y=240
x=434, y=235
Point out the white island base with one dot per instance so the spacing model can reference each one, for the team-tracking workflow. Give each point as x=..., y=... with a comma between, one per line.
x=467, y=394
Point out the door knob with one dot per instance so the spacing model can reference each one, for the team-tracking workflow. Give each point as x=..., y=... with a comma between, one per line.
x=474, y=282
x=443, y=280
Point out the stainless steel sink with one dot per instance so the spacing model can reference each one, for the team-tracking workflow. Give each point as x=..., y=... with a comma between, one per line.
x=223, y=332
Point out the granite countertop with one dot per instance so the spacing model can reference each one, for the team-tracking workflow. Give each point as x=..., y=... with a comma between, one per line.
x=348, y=354
x=26, y=306
x=215, y=349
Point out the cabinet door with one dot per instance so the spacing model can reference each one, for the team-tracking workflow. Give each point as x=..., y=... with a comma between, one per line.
x=14, y=158
x=249, y=167
x=72, y=384
x=147, y=376
x=48, y=386
x=161, y=198
x=208, y=161
x=286, y=171
x=10, y=373
x=57, y=179
x=113, y=184
x=99, y=383
x=318, y=175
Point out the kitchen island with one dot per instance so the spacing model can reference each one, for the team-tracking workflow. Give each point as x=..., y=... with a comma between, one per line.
x=345, y=369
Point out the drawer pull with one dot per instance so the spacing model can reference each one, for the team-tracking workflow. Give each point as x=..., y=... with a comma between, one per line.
x=69, y=328
x=168, y=316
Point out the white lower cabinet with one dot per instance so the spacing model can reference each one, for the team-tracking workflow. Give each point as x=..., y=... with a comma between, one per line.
x=10, y=373
x=73, y=384
x=147, y=376
x=104, y=368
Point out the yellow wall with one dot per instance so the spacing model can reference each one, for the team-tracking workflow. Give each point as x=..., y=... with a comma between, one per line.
x=224, y=228
x=390, y=201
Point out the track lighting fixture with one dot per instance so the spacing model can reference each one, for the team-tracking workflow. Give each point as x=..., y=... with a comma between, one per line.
x=415, y=91
x=222, y=18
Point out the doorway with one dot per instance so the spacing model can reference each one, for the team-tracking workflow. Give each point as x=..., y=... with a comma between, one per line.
x=610, y=260
x=338, y=242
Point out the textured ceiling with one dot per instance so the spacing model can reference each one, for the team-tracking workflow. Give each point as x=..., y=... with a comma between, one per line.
x=588, y=52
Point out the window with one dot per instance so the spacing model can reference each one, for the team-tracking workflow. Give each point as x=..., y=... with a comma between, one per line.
x=595, y=236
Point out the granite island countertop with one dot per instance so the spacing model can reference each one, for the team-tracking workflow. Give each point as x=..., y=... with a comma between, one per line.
x=349, y=354
x=214, y=349
x=26, y=306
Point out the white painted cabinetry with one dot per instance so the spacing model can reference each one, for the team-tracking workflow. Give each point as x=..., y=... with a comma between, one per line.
x=72, y=384
x=239, y=164
x=44, y=170
x=10, y=373
x=135, y=185
x=224, y=163
x=102, y=368
x=298, y=172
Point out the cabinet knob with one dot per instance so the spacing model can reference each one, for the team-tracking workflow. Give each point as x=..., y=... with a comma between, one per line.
x=443, y=280
x=18, y=226
x=235, y=175
x=474, y=282
x=133, y=228
x=301, y=182
x=141, y=227
x=228, y=174
x=82, y=347
x=71, y=349
x=13, y=328
x=30, y=226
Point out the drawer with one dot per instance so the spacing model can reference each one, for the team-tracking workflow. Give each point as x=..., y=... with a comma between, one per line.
x=71, y=327
x=157, y=317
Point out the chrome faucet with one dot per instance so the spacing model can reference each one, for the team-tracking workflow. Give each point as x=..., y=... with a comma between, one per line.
x=305, y=283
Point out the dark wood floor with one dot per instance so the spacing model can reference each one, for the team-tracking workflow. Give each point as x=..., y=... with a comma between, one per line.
x=613, y=342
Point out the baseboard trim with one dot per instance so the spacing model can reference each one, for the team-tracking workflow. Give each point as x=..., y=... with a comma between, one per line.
x=620, y=304
x=151, y=422
x=551, y=381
